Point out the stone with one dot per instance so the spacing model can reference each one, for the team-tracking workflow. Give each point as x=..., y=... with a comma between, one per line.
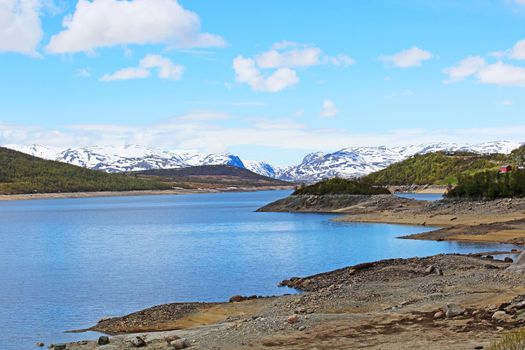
x=508, y=260
x=39, y=344
x=103, y=340
x=182, y=343
x=137, y=342
x=292, y=319
x=300, y=310
x=453, y=310
x=59, y=347
x=302, y=328
x=501, y=316
x=430, y=269
x=237, y=299
x=439, y=272
x=439, y=314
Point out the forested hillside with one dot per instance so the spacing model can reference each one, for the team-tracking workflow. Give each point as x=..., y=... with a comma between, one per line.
x=435, y=169
x=22, y=173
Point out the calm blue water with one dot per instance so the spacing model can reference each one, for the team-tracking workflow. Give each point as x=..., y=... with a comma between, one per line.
x=65, y=263
x=421, y=196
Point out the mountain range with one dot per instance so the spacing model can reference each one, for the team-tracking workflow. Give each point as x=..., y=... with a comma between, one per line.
x=347, y=162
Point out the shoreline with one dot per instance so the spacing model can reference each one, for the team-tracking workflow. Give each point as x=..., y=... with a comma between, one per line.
x=375, y=304
x=31, y=196
x=394, y=304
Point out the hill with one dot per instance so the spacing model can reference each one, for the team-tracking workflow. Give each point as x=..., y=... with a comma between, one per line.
x=211, y=176
x=490, y=185
x=340, y=186
x=21, y=173
x=440, y=168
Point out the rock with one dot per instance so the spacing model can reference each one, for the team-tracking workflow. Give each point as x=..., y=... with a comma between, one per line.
x=508, y=260
x=180, y=343
x=439, y=314
x=302, y=328
x=479, y=347
x=300, y=310
x=103, y=340
x=519, y=264
x=430, y=269
x=501, y=316
x=58, y=346
x=453, y=310
x=520, y=305
x=439, y=272
x=137, y=342
x=292, y=319
x=39, y=344
x=237, y=299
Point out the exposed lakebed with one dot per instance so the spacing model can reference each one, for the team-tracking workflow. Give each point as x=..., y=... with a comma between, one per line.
x=66, y=263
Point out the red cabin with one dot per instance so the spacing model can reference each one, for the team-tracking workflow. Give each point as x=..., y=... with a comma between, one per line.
x=505, y=169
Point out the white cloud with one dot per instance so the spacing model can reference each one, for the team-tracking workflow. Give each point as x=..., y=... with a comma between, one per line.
x=166, y=70
x=502, y=74
x=413, y=57
x=83, y=73
x=465, y=68
x=20, y=27
x=105, y=23
x=309, y=56
x=506, y=102
x=204, y=131
x=339, y=60
x=247, y=72
x=329, y=109
x=518, y=50
x=498, y=73
x=283, y=57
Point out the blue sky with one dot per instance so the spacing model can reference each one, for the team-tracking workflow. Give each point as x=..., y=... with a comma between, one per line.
x=268, y=80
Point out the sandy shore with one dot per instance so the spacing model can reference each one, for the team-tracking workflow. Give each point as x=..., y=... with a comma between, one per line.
x=14, y=197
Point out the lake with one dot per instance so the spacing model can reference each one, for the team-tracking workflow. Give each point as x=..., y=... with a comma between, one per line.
x=66, y=263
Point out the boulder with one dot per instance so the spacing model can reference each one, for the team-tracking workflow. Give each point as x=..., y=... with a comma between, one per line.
x=501, y=316
x=430, y=269
x=439, y=314
x=58, y=346
x=237, y=299
x=292, y=319
x=180, y=343
x=137, y=342
x=519, y=263
x=40, y=344
x=103, y=340
x=453, y=310
x=508, y=260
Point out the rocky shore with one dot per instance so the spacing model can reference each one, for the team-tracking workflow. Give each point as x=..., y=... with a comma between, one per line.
x=439, y=302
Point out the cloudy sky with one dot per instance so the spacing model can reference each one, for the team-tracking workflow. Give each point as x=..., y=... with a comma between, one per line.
x=269, y=80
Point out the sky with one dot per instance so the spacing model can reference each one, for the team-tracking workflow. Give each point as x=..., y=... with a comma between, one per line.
x=268, y=80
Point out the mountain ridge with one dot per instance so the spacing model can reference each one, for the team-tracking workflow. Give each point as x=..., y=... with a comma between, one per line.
x=348, y=162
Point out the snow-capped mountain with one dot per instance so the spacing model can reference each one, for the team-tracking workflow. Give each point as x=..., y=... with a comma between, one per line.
x=358, y=161
x=136, y=158
x=348, y=162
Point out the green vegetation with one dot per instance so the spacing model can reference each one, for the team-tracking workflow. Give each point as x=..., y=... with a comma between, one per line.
x=511, y=341
x=434, y=169
x=490, y=185
x=340, y=186
x=211, y=176
x=22, y=173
